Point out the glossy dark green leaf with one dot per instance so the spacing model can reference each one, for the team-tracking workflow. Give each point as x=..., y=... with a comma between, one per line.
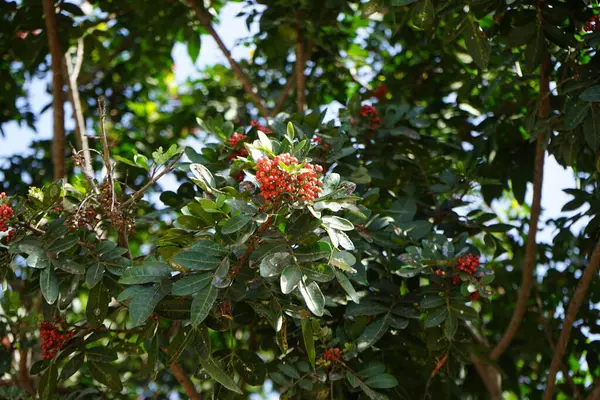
x=197, y=261
x=94, y=274
x=346, y=285
x=272, y=264
x=382, y=381
x=313, y=297
x=143, y=302
x=107, y=374
x=101, y=354
x=477, y=43
x=432, y=301
x=250, y=366
x=49, y=285
x=422, y=15
x=145, y=273
x=218, y=374
x=372, y=333
x=48, y=383
x=181, y=340
x=591, y=94
x=309, y=341
x=191, y=284
x=97, y=305
x=290, y=277
x=575, y=113
x=436, y=316
x=202, y=304
x=72, y=366
x=235, y=223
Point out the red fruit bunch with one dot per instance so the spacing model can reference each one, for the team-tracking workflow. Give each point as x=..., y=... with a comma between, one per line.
x=316, y=140
x=6, y=213
x=369, y=113
x=380, y=92
x=263, y=129
x=439, y=272
x=54, y=337
x=592, y=24
x=333, y=354
x=467, y=264
x=234, y=141
x=277, y=184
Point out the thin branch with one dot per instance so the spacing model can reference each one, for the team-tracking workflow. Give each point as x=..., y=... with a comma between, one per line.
x=595, y=393
x=24, y=377
x=106, y=151
x=550, y=340
x=206, y=20
x=140, y=192
x=58, y=142
x=285, y=94
x=300, y=65
x=531, y=245
x=589, y=274
x=72, y=73
x=491, y=378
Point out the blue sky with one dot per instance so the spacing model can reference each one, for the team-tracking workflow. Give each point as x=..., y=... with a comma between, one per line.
x=231, y=29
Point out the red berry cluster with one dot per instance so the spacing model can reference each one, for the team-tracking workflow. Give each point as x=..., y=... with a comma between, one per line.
x=277, y=184
x=236, y=138
x=467, y=264
x=234, y=141
x=474, y=296
x=333, y=354
x=261, y=128
x=53, y=338
x=592, y=24
x=439, y=272
x=370, y=113
x=316, y=140
x=381, y=91
x=6, y=213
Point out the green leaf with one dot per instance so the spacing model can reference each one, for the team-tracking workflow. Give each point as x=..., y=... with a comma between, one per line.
x=216, y=372
x=290, y=277
x=101, y=354
x=477, y=43
x=346, y=285
x=193, y=46
x=250, y=366
x=145, y=273
x=152, y=364
x=179, y=343
x=575, y=113
x=49, y=285
x=196, y=261
x=94, y=274
x=436, y=317
x=204, y=176
x=72, y=366
x=371, y=369
x=338, y=223
x=290, y=131
x=382, y=381
x=591, y=94
x=450, y=326
x=235, y=223
x=372, y=334
x=107, y=375
x=309, y=340
x=141, y=161
x=315, y=301
x=366, y=308
x=315, y=252
x=70, y=266
x=63, y=244
x=273, y=264
x=209, y=248
x=39, y=366
x=48, y=383
x=191, y=284
x=97, y=305
x=422, y=16
x=264, y=141
x=127, y=161
x=319, y=273
x=143, y=302
x=591, y=129
x=432, y=301
x=356, y=382
x=202, y=304
x=535, y=48
x=130, y=292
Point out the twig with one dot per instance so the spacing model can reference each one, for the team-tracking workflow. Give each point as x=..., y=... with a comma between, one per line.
x=206, y=21
x=595, y=393
x=106, y=151
x=72, y=73
x=584, y=283
x=184, y=381
x=24, y=378
x=531, y=246
x=58, y=142
x=550, y=340
x=300, y=64
x=285, y=94
x=140, y=192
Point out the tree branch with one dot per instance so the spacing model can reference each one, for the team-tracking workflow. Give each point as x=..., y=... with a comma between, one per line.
x=289, y=85
x=206, y=21
x=58, y=142
x=300, y=65
x=531, y=245
x=72, y=73
x=139, y=193
x=580, y=293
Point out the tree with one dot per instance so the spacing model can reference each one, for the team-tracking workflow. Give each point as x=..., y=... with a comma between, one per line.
x=355, y=257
